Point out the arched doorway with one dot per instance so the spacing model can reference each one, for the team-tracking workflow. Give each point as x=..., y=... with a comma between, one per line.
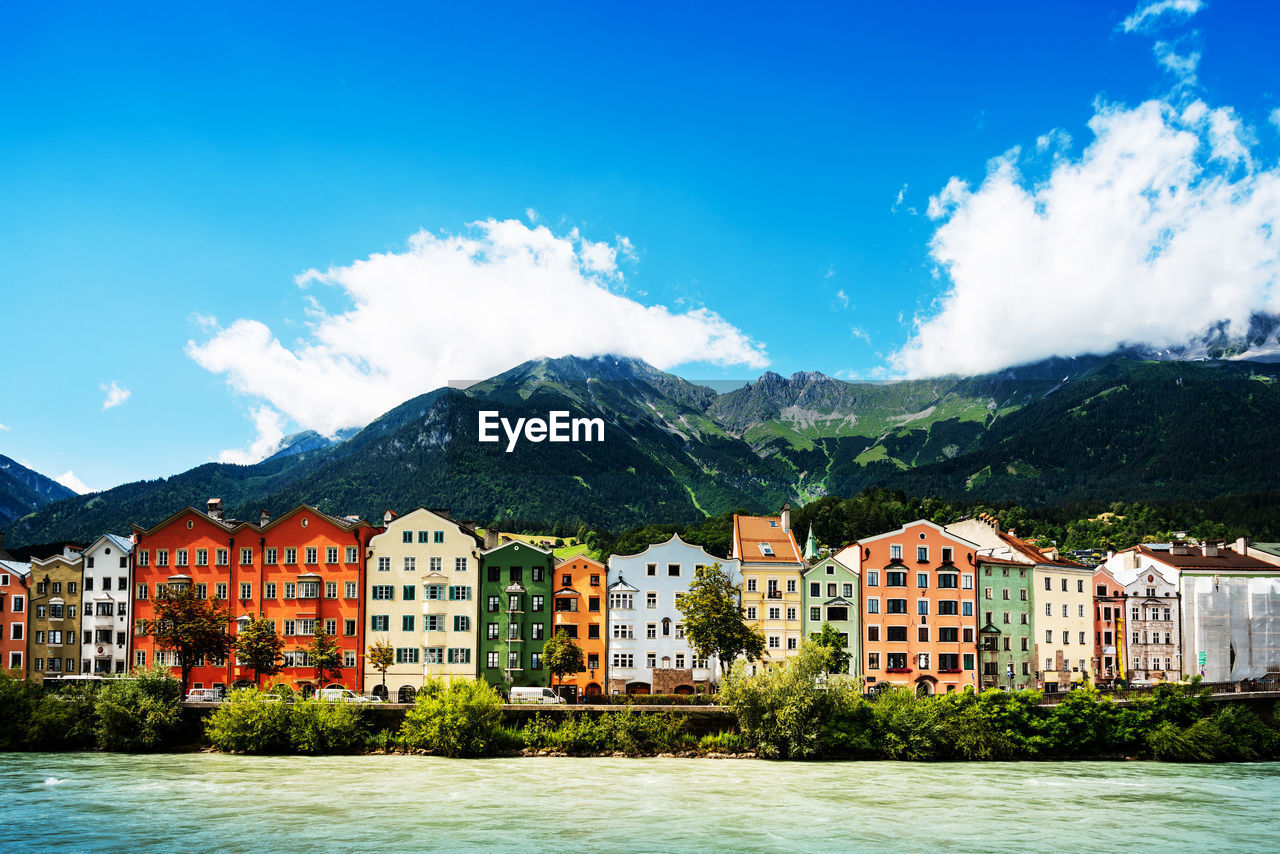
x=380, y=692
x=682, y=689
x=405, y=694
x=306, y=689
x=638, y=688
x=925, y=686
x=592, y=690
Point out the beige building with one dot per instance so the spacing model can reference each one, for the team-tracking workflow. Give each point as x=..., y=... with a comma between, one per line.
x=422, y=579
x=1061, y=607
x=771, y=578
x=53, y=630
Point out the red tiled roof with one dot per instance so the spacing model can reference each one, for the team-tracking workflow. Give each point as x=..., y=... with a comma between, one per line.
x=1196, y=559
x=750, y=531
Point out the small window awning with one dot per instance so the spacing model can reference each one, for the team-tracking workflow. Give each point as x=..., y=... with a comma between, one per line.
x=308, y=576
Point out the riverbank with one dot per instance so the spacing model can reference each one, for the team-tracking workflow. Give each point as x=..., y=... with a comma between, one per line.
x=206, y=802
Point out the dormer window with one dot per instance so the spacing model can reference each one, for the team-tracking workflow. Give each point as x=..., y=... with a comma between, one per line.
x=773, y=523
x=766, y=549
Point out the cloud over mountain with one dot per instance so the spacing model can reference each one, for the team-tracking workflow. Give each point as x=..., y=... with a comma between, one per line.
x=1166, y=222
x=455, y=307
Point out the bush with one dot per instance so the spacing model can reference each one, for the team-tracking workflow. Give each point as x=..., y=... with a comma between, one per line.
x=248, y=722
x=63, y=720
x=318, y=727
x=139, y=713
x=1248, y=737
x=1200, y=742
x=459, y=717
x=18, y=701
x=794, y=710
x=723, y=742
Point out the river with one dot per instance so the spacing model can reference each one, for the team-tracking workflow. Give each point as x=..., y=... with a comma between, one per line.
x=93, y=802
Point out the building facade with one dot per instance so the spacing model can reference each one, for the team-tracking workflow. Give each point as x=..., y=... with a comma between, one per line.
x=423, y=578
x=648, y=652
x=53, y=625
x=303, y=571
x=580, y=588
x=771, y=567
x=1109, y=655
x=829, y=594
x=14, y=596
x=106, y=606
x=1004, y=605
x=515, y=603
x=919, y=608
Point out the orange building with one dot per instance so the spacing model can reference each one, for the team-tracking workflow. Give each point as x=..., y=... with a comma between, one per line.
x=578, y=597
x=304, y=570
x=919, y=608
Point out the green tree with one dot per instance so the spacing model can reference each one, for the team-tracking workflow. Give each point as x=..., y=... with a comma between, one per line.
x=715, y=624
x=562, y=656
x=458, y=717
x=381, y=655
x=259, y=647
x=834, y=643
x=192, y=627
x=326, y=657
x=140, y=712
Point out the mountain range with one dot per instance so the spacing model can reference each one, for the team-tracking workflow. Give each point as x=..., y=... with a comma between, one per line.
x=24, y=491
x=1129, y=426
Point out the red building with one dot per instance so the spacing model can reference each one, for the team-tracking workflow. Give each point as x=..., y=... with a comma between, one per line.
x=918, y=609
x=304, y=570
x=1108, y=628
x=14, y=599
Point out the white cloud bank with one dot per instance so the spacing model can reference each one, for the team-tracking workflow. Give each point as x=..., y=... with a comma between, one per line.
x=454, y=307
x=116, y=394
x=73, y=483
x=1146, y=17
x=1162, y=225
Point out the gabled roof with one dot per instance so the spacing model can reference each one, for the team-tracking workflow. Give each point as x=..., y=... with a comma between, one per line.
x=338, y=521
x=562, y=561
x=1001, y=561
x=438, y=514
x=675, y=538
x=749, y=532
x=823, y=563
x=16, y=567
x=520, y=544
x=900, y=531
x=124, y=544
x=225, y=525
x=622, y=585
x=839, y=600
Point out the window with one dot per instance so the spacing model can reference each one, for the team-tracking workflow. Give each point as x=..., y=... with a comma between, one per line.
x=432, y=623
x=141, y=593
x=873, y=661
x=536, y=603
x=873, y=606
x=202, y=591
x=948, y=634
x=873, y=633
x=143, y=558
x=1064, y=585
x=270, y=556
x=353, y=554
x=1048, y=636
x=1048, y=609
x=290, y=555
x=491, y=659
x=384, y=564
x=223, y=557
x=624, y=659
x=846, y=590
x=1066, y=638
x=922, y=634
x=791, y=585
x=947, y=553
x=791, y=612
x=379, y=622
x=246, y=590
x=493, y=604
x=922, y=580
x=968, y=661
x=459, y=593
x=593, y=631
x=775, y=642
x=410, y=563
x=330, y=555
x=947, y=607
x=1048, y=583
x=895, y=660
x=537, y=573
x=895, y=633
x=895, y=553
x=751, y=612
x=651, y=630
x=162, y=557
x=461, y=623
x=623, y=631
x=459, y=655
x=406, y=536
x=751, y=585
x=948, y=581
x=431, y=592
x=620, y=601
x=409, y=592
x=651, y=599
x=424, y=536
x=406, y=655
x=673, y=570
x=895, y=606
x=922, y=607
x=380, y=591
x=895, y=579
x=987, y=593
x=922, y=554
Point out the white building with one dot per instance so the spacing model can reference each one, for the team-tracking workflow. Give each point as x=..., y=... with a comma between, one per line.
x=1153, y=615
x=106, y=598
x=648, y=652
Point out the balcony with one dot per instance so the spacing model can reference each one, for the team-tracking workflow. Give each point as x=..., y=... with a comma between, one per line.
x=950, y=670
x=899, y=670
x=773, y=594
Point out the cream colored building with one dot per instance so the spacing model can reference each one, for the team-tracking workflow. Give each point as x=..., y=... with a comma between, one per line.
x=422, y=577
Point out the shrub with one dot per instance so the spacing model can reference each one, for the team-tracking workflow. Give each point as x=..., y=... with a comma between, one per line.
x=318, y=727
x=64, y=720
x=139, y=713
x=248, y=722
x=723, y=742
x=1247, y=734
x=18, y=700
x=1200, y=742
x=458, y=717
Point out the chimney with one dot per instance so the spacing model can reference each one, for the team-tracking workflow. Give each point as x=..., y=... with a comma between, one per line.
x=1178, y=547
x=490, y=538
x=214, y=508
x=388, y=516
x=1242, y=545
x=1210, y=548
x=786, y=517
x=264, y=517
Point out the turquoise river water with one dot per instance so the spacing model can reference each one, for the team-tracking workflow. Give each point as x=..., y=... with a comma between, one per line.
x=204, y=802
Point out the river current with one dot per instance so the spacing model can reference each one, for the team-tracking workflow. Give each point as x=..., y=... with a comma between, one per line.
x=92, y=802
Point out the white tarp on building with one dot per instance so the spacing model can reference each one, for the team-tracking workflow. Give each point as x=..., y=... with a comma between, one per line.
x=1235, y=622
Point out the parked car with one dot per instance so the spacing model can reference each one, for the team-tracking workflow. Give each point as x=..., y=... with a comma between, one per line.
x=340, y=695
x=204, y=695
x=535, y=695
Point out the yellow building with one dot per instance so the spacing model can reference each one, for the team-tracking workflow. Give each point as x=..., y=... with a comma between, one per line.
x=53, y=631
x=771, y=580
x=421, y=580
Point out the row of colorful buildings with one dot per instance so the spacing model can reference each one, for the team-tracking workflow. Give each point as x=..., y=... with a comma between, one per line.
x=935, y=608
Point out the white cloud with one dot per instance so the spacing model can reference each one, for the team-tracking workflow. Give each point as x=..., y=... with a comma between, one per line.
x=859, y=334
x=1146, y=17
x=842, y=298
x=116, y=394
x=1162, y=225
x=206, y=321
x=269, y=429
x=73, y=483
x=4, y=427
x=1181, y=66
x=456, y=307
x=1275, y=117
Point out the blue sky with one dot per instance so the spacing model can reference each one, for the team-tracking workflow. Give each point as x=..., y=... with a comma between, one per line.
x=763, y=172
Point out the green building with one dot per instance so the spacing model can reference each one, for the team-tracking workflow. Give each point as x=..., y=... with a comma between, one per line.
x=514, y=614
x=1006, y=648
x=831, y=592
